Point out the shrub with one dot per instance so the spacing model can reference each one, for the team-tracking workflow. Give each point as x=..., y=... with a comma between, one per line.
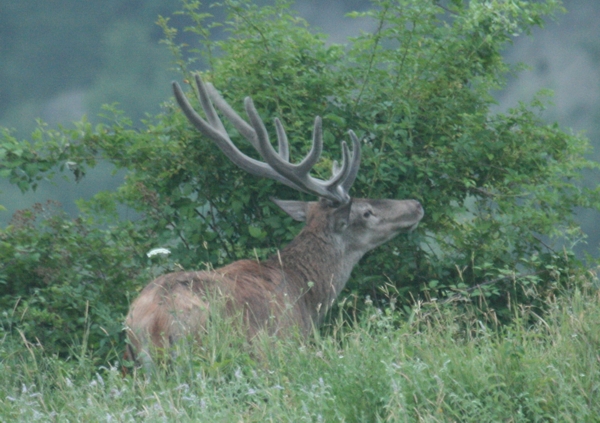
x=63, y=281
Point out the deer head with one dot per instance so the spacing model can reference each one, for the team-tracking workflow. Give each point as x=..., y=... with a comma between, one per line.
x=306, y=276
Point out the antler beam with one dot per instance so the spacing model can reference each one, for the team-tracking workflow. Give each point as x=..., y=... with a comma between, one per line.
x=277, y=165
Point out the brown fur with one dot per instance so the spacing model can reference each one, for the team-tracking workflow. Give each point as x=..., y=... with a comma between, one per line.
x=294, y=287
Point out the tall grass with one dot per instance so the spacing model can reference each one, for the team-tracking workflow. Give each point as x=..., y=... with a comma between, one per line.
x=444, y=365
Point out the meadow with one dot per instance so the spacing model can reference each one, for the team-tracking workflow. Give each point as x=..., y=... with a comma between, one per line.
x=444, y=363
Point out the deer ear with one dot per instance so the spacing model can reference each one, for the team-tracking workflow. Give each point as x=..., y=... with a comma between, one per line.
x=295, y=209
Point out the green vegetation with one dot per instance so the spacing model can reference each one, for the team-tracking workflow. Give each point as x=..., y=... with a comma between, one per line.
x=443, y=366
x=499, y=190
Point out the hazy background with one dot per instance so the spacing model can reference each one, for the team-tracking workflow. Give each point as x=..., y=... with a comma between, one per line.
x=62, y=59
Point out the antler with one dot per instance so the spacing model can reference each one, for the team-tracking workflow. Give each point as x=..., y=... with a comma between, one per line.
x=277, y=165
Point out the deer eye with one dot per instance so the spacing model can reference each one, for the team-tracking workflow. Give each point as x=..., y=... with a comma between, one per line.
x=367, y=214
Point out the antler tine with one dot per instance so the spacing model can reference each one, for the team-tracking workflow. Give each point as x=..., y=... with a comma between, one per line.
x=316, y=149
x=340, y=174
x=264, y=146
x=193, y=117
x=298, y=173
x=240, y=124
x=282, y=141
x=209, y=110
x=354, y=165
x=215, y=130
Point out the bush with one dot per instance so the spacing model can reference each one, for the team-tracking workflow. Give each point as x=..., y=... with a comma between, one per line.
x=63, y=281
x=498, y=188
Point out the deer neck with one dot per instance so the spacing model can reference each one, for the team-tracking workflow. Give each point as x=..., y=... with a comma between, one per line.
x=315, y=267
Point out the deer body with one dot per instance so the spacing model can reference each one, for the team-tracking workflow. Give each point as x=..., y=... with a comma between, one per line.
x=296, y=286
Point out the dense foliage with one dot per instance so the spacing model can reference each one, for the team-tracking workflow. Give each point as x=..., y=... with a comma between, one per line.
x=498, y=188
x=64, y=280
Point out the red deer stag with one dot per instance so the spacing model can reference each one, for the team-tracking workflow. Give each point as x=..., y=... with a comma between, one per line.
x=298, y=284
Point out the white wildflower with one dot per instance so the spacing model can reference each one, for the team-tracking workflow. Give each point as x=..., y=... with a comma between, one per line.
x=158, y=251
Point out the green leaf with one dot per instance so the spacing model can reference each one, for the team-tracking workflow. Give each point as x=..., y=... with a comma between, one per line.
x=256, y=232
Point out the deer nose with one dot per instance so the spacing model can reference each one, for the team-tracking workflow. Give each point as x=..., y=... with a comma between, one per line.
x=419, y=209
